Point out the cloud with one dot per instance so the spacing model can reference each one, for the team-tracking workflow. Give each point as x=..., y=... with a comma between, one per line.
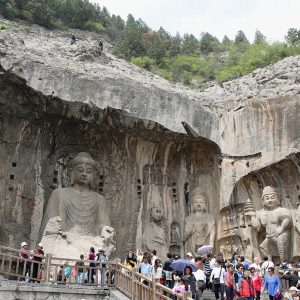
x=218, y=17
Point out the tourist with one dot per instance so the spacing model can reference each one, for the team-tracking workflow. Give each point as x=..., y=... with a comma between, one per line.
x=101, y=257
x=24, y=264
x=60, y=274
x=100, y=47
x=238, y=274
x=200, y=279
x=229, y=282
x=257, y=281
x=265, y=266
x=245, y=264
x=190, y=257
x=221, y=260
x=292, y=277
x=189, y=276
x=168, y=272
x=255, y=263
x=145, y=268
x=271, y=283
x=80, y=269
x=291, y=294
x=73, y=39
x=157, y=271
x=139, y=256
x=217, y=279
x=67, y=271
x=207, y=270
x=130, y=261
x=181, y=287
x=154, y=257
x=37, y=257
x=246, y=287
x=91, y=257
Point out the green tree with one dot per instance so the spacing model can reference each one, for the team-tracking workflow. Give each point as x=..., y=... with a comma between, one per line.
x=209, y=43
x=241, y=40
x=153, y=46
x=259, y=37
x=176, y=44
x=130, y=44
x=293, y=36
x=190, y=44
x=226, y=43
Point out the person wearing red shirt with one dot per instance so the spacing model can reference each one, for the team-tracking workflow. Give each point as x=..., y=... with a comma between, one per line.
x=257, y=281
x=246, y=287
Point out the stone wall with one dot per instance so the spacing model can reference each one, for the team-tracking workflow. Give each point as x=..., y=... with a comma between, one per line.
x=142, y=167
x=153, y=141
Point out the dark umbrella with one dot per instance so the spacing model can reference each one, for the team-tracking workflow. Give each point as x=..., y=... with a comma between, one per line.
x=179, y=265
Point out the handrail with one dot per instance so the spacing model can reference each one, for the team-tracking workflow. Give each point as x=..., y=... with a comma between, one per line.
x=100, y=274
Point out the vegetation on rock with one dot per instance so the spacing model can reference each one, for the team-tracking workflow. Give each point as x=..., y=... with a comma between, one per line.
x=187, y=59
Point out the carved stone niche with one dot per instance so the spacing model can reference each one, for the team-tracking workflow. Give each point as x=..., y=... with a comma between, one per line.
x=61, y=176
x=152, y=174
x=175, y=241
x=154, y=234
x=232, y=219
x=268, y=235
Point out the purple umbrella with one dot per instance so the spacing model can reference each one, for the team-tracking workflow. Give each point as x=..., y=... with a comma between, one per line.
x=205, y=250
x=179, y=265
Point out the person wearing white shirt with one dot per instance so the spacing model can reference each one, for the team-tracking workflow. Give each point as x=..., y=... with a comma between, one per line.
x=200, y=279
x=217, y=279
x=255, y=264
x=265, y=266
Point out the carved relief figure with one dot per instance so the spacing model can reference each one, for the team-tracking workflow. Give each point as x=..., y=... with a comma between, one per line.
x=276, y=221
x=199, y=225
x=79, y=212
x=297, y=220
x=174, y=238
x=154, y=233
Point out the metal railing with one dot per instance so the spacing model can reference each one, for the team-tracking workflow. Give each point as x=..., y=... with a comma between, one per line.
x=97, y=274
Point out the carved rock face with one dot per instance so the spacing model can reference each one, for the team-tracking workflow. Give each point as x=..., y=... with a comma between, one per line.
x=270, y=201
x=83, y=174
x=199, y=204
x=156, y=214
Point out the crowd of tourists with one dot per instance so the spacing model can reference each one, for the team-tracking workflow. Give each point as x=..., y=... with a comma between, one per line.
x=227, y=279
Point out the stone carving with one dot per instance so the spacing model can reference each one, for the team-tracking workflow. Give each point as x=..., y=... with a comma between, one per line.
x=297, y=220
x=154, y=233
x=200, y=224
x=276, y=221
x=77, y=217
x=174, y=236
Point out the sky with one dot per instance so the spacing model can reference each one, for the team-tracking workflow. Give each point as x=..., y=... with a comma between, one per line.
x=218, y=17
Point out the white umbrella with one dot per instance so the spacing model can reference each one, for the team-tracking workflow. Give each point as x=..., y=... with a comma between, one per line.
x=205, y=250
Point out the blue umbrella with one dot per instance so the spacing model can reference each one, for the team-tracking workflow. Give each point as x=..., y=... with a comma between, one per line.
x=179, y=265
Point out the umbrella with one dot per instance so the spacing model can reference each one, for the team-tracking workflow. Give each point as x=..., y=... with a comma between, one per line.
x=205, y=250
x=179, y=265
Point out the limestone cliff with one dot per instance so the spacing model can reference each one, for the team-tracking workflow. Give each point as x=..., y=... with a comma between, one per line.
x=154, y=140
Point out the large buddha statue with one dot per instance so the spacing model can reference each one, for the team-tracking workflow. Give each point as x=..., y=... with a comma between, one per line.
x=77, y=218
x=276, y=221
x=199, y=227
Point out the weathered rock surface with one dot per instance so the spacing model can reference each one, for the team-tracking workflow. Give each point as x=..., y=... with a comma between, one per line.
x=153, y=140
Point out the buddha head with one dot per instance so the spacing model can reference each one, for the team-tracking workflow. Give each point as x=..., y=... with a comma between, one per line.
x=156, y=214
x=82, y=169
x=270, y=198
x=198, y=201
